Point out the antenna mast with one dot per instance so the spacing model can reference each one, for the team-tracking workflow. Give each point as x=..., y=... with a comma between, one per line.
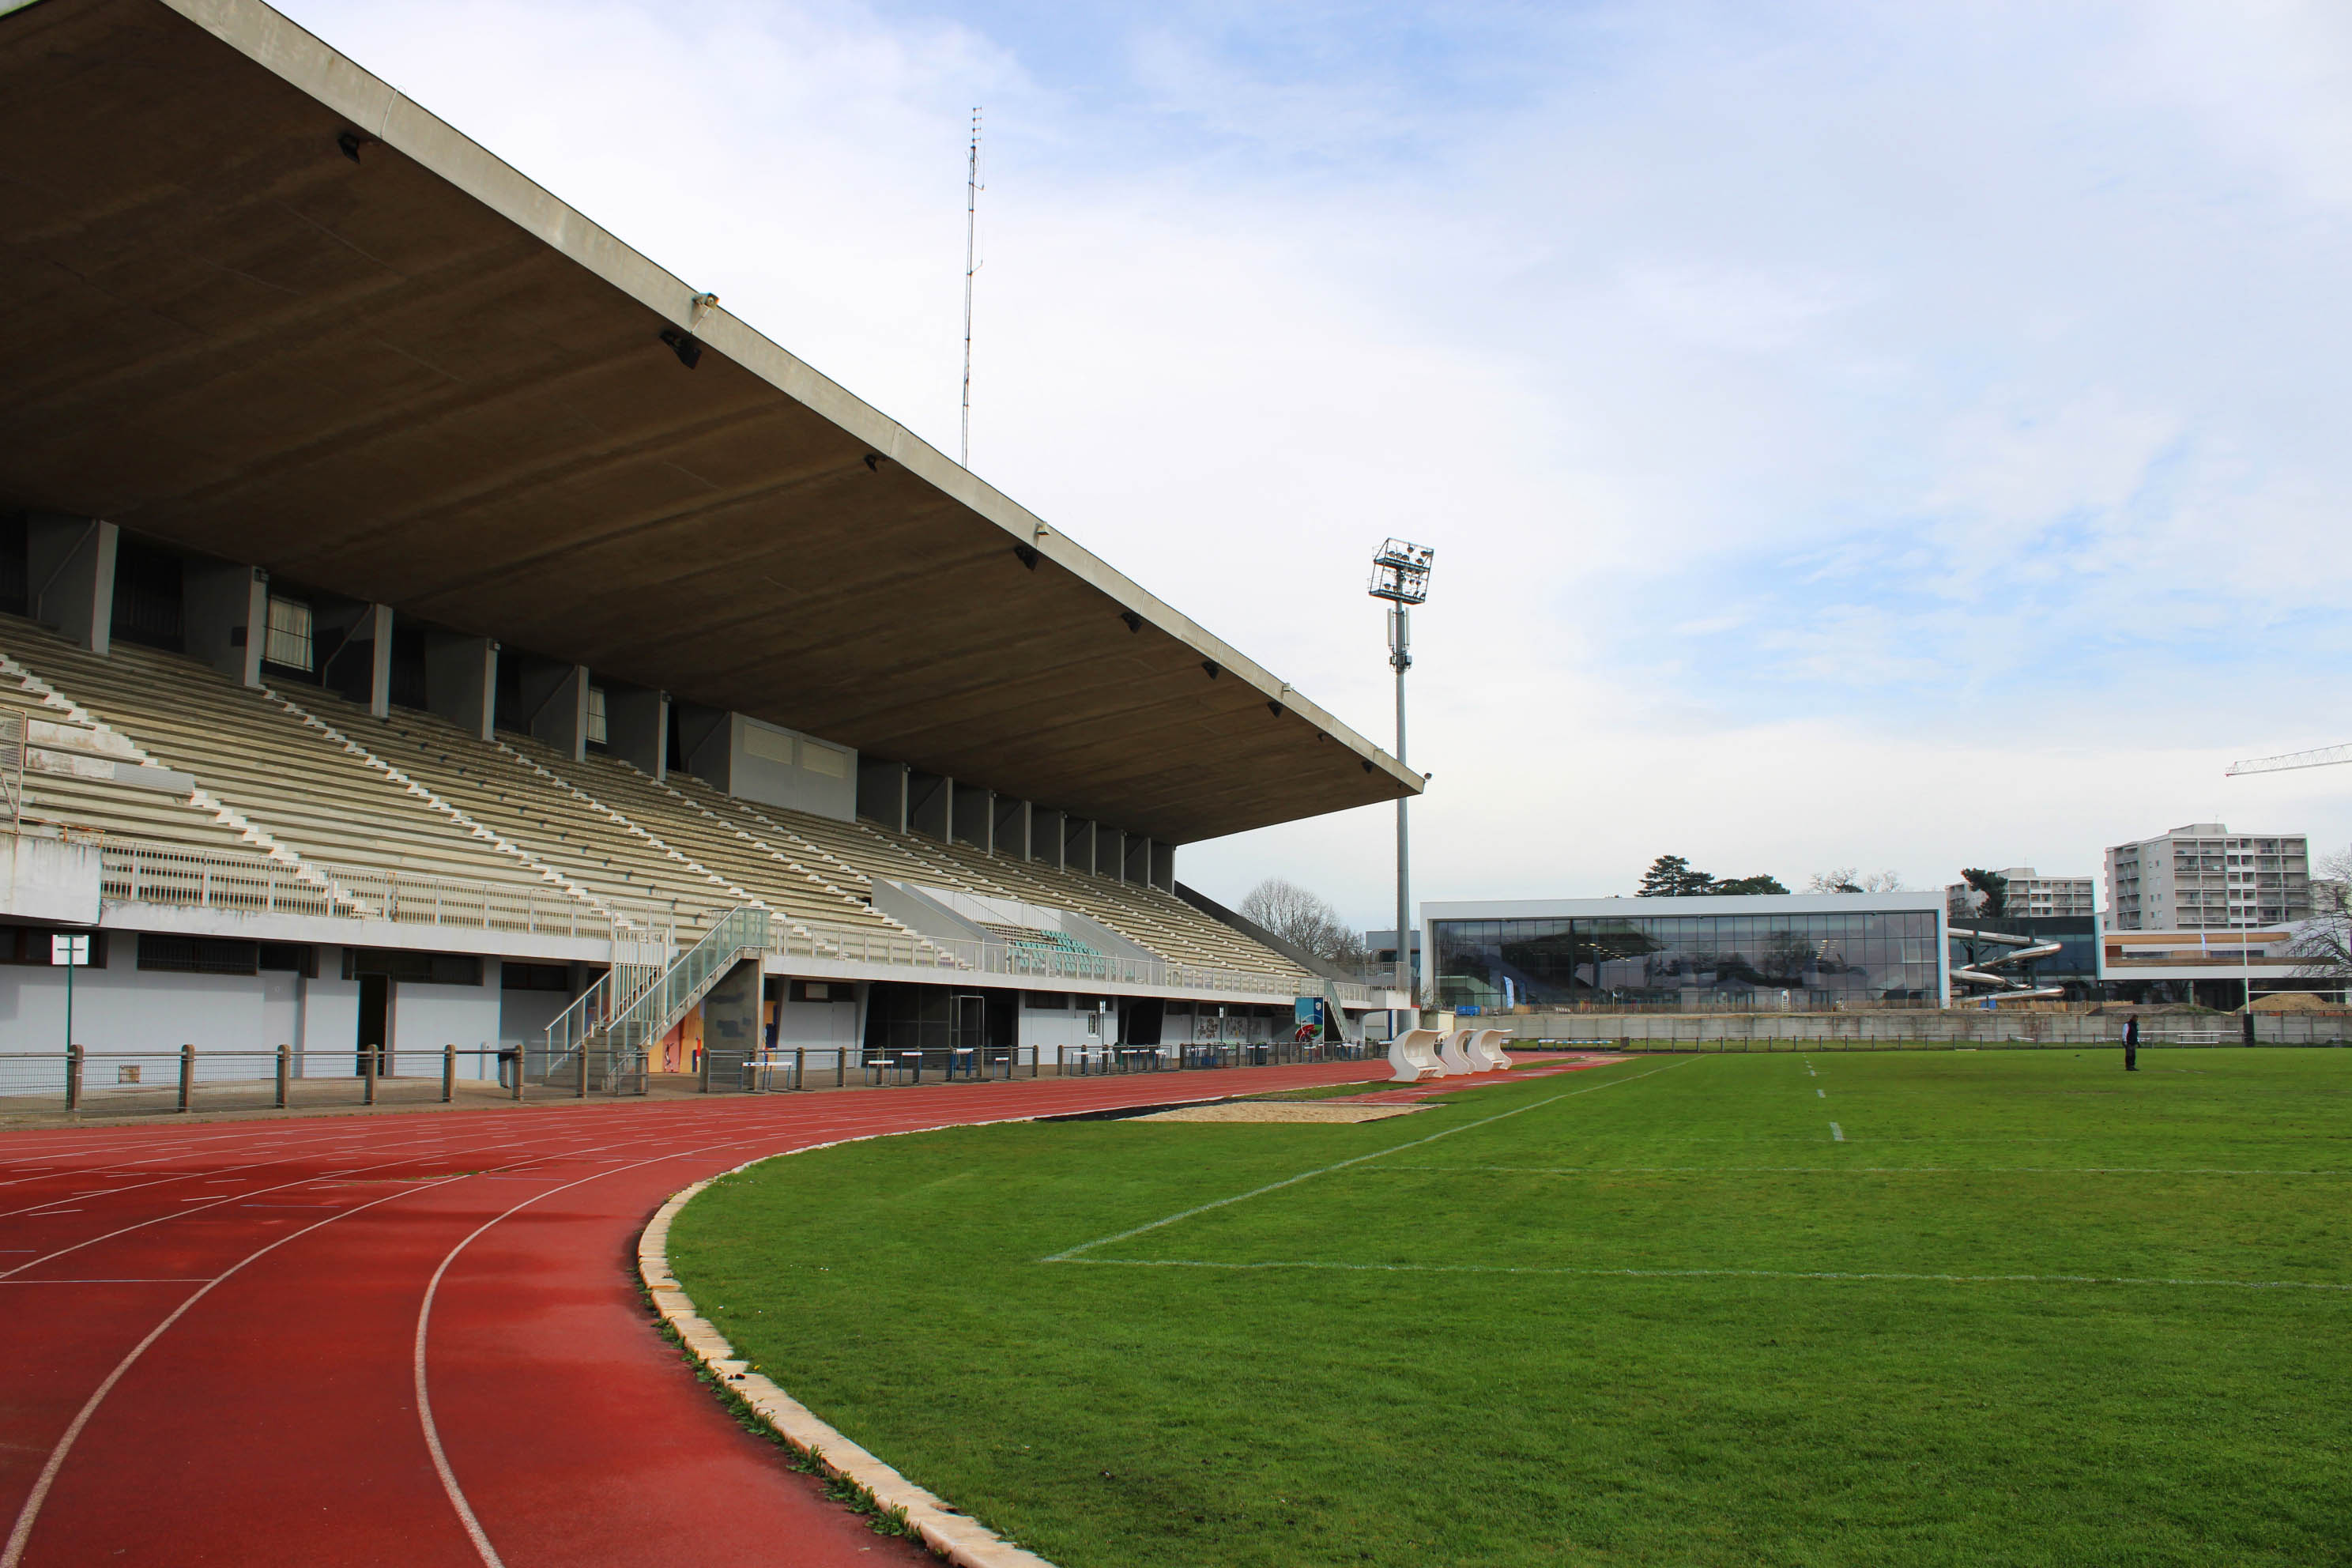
x=971, y=265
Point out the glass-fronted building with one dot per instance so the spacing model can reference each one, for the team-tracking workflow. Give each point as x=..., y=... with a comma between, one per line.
x=1798, y=951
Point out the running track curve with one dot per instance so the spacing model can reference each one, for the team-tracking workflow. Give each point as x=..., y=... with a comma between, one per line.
x=218, y=1335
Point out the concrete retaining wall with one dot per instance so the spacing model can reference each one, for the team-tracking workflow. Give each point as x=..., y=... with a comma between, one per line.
x=1955, y=1027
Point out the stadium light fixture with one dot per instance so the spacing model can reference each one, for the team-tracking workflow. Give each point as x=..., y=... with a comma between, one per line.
x=1400, y=575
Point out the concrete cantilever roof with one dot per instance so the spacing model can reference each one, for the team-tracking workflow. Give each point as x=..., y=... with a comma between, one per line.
x=409, y=374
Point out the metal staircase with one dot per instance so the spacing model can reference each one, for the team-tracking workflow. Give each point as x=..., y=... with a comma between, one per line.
x=604, y=1041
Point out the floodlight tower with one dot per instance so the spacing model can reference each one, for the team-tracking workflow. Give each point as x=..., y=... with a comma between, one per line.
x=1400, y=575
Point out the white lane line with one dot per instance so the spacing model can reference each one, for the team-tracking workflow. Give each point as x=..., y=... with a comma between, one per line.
x=1837, y=1134
x=1714, y=1274
x=1378, y=1154
x=14, y=1551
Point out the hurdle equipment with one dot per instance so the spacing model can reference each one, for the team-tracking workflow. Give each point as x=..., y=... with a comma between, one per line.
x=1413, y=1055
x=1451, y=1057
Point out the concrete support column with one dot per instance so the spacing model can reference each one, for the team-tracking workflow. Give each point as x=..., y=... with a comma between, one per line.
x=636, y=727
x=730, y=1021
x=461, y=680
x=379, y=632
x=225, y=611
x=556, y=698
x=70, y=564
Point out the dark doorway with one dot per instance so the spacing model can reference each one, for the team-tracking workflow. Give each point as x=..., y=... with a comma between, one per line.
x=1138, y=1023
x=375, y=1018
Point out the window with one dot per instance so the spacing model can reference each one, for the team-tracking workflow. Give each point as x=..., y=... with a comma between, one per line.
x=825, y=760
x=513, y=976
x=33, y=944
x=199, y=954
x=769, y=745
x=421, y=968
x=596, y=725
x=1051, y=1001
x=290, y=640
x=289, y=958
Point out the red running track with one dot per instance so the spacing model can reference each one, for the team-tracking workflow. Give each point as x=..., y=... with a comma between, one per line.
x=219, y=1335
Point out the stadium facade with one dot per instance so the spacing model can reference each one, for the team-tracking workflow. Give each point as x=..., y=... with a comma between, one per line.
x=419, y=611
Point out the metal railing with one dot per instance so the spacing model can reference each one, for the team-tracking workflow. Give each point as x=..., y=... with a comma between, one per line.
x=165, y=1082
x=136, y=872
x=12, y=769
x=1024, y=962
x=606, y=1037
x=174, y=876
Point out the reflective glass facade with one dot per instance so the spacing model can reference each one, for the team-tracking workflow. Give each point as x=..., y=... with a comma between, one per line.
x=1712, y=960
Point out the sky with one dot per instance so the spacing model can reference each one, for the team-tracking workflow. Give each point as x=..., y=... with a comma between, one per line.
x=1901, y=438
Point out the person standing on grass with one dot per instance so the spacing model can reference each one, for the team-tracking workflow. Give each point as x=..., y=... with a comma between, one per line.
x=2131, y=1044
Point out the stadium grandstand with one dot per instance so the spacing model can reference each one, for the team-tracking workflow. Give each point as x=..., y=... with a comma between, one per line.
x=424, y=621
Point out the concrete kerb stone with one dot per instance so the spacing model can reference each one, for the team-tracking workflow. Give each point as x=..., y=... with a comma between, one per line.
x=947, y=1530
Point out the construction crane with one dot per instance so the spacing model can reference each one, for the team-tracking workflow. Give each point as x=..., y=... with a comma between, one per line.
x=2325, y=756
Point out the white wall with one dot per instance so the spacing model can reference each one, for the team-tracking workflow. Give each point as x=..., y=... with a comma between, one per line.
x=1043, y=1028
x=524, y=1016
x=426, y=1018
x=777, y=766
x=123, y=1008
x=828, y=1023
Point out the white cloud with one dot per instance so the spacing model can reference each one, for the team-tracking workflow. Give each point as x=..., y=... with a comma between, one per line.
x=1851, y=434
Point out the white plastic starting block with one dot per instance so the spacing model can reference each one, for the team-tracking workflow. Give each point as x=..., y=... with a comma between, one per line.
x=1413, y=1055
x=1485, y=1049
x=1451, y=1055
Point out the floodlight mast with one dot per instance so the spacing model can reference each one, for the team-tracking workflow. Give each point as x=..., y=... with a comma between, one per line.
x=1400, y=575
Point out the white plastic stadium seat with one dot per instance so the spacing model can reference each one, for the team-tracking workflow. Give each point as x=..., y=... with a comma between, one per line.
x=1413, y=1055
x=1487, y=1050
x=1450, y=1056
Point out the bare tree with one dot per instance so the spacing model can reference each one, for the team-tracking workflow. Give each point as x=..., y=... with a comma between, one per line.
x=2325, y=945
x=1304, y=920
x=1842, y=880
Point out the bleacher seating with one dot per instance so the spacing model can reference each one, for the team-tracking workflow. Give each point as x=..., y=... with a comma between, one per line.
x=302, y=774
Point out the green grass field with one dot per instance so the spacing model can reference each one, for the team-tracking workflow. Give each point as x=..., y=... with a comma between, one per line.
x=2027, y=1309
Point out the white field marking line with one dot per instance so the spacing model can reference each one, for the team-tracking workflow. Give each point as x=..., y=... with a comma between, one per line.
x=14, y=1551
x=1718, y=1274
x=1071, y=1254
x=1837, y=1134
x=1867, y=1170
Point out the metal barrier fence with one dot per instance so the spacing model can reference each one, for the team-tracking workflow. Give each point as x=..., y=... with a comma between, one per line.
x=124, y=1083
x=162, y=1082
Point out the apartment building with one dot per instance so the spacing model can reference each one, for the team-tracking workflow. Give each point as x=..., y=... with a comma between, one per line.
x=2203, y=877
x=2030, y=896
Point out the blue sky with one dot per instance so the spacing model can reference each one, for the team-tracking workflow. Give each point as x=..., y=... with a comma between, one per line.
x=1899, y=436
